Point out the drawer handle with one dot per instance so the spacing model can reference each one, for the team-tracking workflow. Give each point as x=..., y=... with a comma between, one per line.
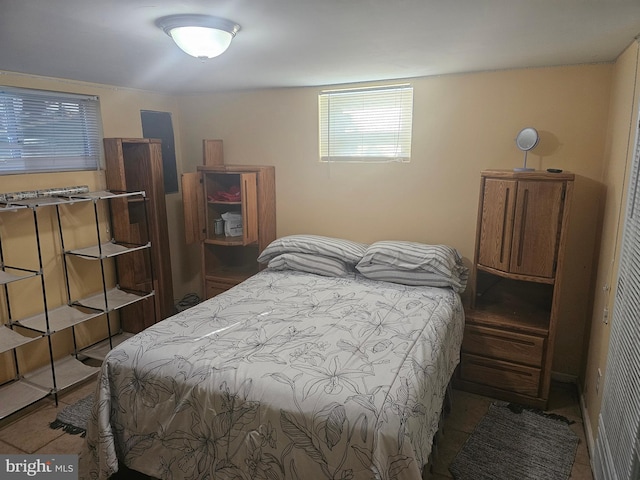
x=504, y=225
x=525, y=209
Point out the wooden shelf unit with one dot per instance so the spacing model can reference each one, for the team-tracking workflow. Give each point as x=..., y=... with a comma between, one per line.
x=507, y=350
x=135, y=164
x=229, y=260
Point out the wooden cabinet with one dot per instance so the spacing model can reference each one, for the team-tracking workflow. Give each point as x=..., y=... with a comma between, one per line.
x=520, y=224
x=134, y=164
x=507, y=351
x=208, y=196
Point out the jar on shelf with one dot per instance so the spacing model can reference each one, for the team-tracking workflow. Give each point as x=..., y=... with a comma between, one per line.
x=218, y=226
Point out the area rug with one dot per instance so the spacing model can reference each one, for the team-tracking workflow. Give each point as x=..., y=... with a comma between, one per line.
x=515, y=443
x=73, y=418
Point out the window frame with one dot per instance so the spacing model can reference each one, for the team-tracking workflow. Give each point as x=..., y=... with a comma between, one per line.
x=375, y=119
x=44, y=131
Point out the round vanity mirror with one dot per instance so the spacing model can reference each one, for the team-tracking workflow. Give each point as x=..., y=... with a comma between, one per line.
x=526, y=140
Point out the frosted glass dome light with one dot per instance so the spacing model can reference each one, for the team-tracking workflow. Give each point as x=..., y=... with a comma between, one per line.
x=200, y=36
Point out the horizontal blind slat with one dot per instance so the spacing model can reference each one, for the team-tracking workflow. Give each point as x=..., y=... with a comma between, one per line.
x=372, y=124
x=48, y=131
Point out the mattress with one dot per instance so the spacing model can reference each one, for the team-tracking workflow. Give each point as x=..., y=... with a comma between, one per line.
x=288, y=375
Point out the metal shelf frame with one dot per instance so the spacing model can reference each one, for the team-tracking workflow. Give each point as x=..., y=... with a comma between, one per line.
x=19, y=392
x=27, y=388
x=108, y=300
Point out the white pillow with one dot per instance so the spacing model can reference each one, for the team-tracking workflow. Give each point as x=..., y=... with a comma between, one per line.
x=412, y=263
x=316, y=264
x=345, y=250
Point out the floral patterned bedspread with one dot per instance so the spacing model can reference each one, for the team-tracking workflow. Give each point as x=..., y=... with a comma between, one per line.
x=286, y=376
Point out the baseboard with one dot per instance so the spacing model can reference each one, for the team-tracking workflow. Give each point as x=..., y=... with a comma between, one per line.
x=564, y=377
x=588, y=431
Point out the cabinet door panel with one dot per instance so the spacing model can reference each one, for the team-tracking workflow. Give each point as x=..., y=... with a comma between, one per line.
x=536, y=228
x=249, y=191
x=494, y=247
x=193, y=207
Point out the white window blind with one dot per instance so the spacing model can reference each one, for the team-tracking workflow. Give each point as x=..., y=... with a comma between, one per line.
x=42, y=131
x=366, y=124
x=617, y=455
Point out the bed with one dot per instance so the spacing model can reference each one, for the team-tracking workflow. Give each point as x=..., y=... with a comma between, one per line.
x=333, y=363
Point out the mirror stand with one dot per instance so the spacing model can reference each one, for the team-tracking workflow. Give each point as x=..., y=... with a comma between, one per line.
x=524, y=168
x=526, y=140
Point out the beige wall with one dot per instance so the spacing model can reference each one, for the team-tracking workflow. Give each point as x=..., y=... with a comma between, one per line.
x=462, y=125
x=621, y=132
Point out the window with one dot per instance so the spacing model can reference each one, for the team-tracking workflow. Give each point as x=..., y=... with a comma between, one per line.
x=366, y=124
x=43, y=131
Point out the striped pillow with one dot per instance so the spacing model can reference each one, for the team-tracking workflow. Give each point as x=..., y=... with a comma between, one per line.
x=345, y=250
x=316, y=264
x=412, y=263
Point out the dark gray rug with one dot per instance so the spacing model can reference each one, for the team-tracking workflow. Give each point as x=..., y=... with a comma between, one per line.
x=73, y=418
x=515, y=443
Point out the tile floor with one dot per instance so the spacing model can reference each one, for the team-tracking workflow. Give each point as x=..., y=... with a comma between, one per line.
x=29, y=432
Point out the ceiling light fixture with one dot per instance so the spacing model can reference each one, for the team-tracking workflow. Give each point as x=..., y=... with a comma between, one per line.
x=200, y=36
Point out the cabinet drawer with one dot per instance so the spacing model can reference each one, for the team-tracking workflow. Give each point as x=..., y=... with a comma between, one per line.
x=504, y=345
x=499, y=374
x=213, y=287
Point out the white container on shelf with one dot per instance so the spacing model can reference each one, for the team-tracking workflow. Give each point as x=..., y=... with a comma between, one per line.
x=232, y=224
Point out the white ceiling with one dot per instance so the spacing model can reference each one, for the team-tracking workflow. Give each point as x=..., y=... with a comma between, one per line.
x=289, y=43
